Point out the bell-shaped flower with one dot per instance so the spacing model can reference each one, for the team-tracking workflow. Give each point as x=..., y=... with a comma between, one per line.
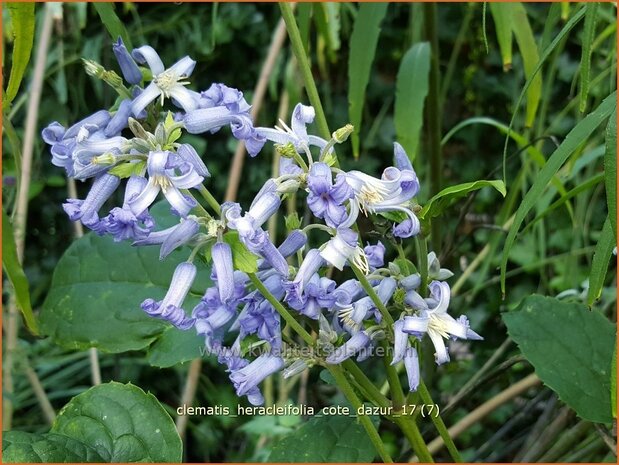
x=170, y=308
x=120, y=120
x=87, y=210
x=260, y=318
x=343, y=248
x=317, y=294
x=354, y=315
x=222, y=264
x=437, y=323
x=189, y=155
x=359, y=341
x=375, y=255
x=309, y=266
x=166, y=83
x=247, y=379
x=122, y=223
x=173, y=237
x=128, y=67
x=326, y=199
x=167, y=174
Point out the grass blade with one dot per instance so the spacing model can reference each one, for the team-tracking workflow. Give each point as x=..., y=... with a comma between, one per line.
x=22, y=25
x=363, y=42
x=530, y=57
x=599, y=265
x=411, y=90
x=572, y=141
x=587, y=49
x=16, y=274
x=112, y=23
x=501, y=15
x=610, y=170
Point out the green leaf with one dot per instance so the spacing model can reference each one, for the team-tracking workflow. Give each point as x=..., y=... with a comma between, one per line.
x=613, y=383
x=572, y=141
x=22, y=25
x=175, y=346
x=599, y=265
x=441, y=201
x=571, y=350
x=502, y=23
x=329, y=438
x=97, y=289
x=363, y=42
x=15, y=273
x=411, y=91
x=588, y=36
x=610, y=170
x=530, y=58
x=122, y=423
x=242, y=258
x=128, y=169
x=328, y=21
x=22, y=447
x=111, y=22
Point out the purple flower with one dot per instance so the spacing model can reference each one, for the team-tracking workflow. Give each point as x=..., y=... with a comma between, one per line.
x=353, y=316
x=326, y=199
x=375, y=255
x=168, y=83
x=259, y=317
x=356, y=343
x=172, y=237
x=411, y=363
x=122, y=223
x=247, y=378
x=318, y=293
x=170, y=308
x=162, y=171
x=342, y=248
x=120, y=120
x=130, y=70
x=87, y=210
x=222, y=264
x=407, y=228
x=189, y=155
x=310, y=265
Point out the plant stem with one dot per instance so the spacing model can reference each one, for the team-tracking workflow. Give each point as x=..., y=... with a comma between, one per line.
x=348, y=391
x=411, y=431
x=304, y=66
x=433, y=114
x=206, y=195
x=439, y=424
x=367, y=287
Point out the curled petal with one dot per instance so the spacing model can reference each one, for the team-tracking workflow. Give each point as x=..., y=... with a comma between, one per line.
x=147, y=54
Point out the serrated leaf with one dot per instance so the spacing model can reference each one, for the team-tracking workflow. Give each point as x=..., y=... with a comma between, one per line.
x=501, y=15
x=412, y=86
x=441, y=201
x=112, y=23
x=125, y=170
x=15, y=273
x=572, y=141
x=329, y=438
x=175, y=346
x=122, y=423
x=571, y=349
x=610, y=170
x=242, y=258
x=588, y=36
x=22, y=447
x=363, y=42
x=599, y=264
x=22, y=25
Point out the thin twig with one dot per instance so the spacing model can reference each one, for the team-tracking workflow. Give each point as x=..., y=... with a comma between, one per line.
x=191, y=385
x=21, y=209
x=277, y=42
x=39, y=392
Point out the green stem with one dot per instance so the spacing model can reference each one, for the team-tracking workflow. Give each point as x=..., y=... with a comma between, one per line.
x=370, y=429
x=206, y=195
x=360, y=377
x=439, y=424
x=367, y=287
x=304, y=66
x=433, y=113
x=412, y=433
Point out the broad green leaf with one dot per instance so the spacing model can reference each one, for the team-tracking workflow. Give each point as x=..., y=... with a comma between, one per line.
x=530, y=58
x=599, y=265
x=411, y=91
x=572, y=141
x=22, y=447
x=441, y=201
x=112, y=23
x=97, y=289
x=22, y=25
x=571, y=349
x=242, y=258
x=613, y=383
x=610, y=170
x=175, y=346
x=585, y=59
x=501, y=13
x=15, y=273
x=329, y=438
x=363, y=42
x=122, y=423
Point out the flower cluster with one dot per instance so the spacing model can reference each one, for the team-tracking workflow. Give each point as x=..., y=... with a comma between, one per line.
x=137, y=140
